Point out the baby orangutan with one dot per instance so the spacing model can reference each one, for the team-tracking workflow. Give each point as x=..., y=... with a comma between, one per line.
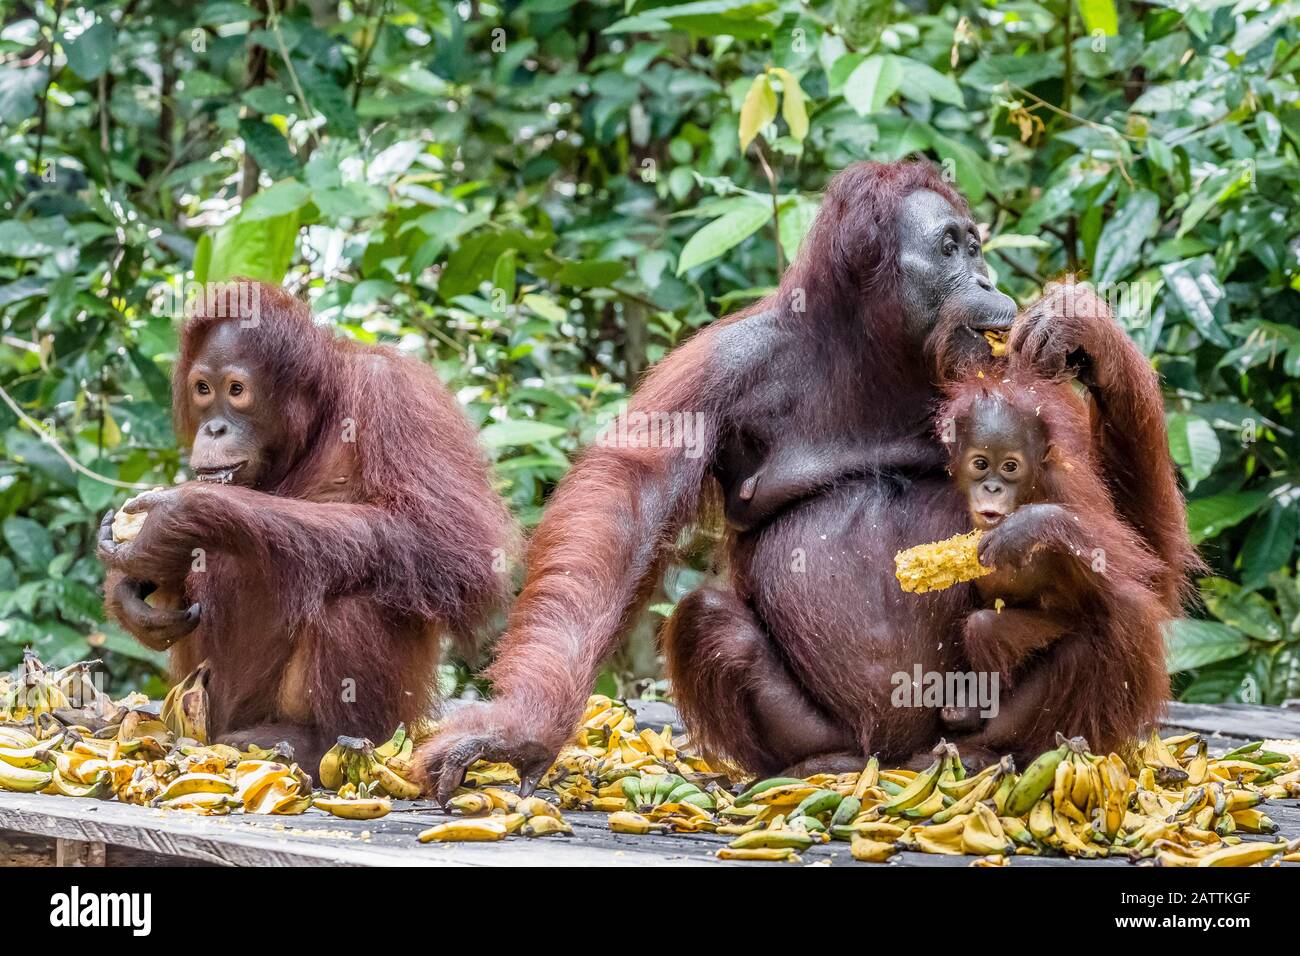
x=1065, y=616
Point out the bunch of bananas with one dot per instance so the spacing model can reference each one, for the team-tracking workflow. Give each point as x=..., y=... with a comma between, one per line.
x=39, y=690
x=356, y=761
x=185, y=708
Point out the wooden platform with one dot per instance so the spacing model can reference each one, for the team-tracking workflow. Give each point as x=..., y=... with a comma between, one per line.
x=36, y=829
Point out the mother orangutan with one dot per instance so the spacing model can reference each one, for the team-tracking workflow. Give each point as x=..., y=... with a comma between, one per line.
x=816, y=407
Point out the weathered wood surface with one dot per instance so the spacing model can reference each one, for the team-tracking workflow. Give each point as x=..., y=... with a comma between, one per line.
x=318, y=839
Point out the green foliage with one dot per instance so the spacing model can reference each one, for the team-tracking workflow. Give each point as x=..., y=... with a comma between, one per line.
x=541, y=198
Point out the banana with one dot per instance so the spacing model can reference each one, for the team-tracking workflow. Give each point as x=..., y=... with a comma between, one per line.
x=1034, y=782
x=201, y=801
x=967, y=803
x=395, y=786
x=370, y=808
x=101, y=788
x=189, y=783
x=917, y=791
x=331, y=768
x=765, y=854
x=502, y=799
x=472, y=804
x=871, y=851
x=983, y=834
x=771, y=783
x=24, y=779
x=869, y=777
x=773, y=839
x=626, y=822
x=16, y=738
x=537, y=807
x=1243, y=854
x=1253, y=821
x=457, y=831
x=941, y=838
x=845, y=813
x=31, y=757
x=540, y=826
x=393, y=746
x=823, y=801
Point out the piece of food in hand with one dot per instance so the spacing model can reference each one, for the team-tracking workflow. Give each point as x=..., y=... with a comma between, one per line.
x=933, y=567
x=126, y=526
x=997, y=342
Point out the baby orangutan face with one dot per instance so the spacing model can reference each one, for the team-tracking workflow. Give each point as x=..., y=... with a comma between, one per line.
x=999, y=460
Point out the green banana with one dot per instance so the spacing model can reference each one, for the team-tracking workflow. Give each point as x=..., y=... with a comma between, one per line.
x=748, y=796
x=1034, y=782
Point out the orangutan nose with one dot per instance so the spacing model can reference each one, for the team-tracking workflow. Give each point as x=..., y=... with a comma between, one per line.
x=215, y=428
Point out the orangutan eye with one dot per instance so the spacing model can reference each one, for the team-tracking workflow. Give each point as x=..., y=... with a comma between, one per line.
x=202, y=388
x=1010, y=467
x=979, y=464
x=974, y=247
x=236, y=389
x=949, y=246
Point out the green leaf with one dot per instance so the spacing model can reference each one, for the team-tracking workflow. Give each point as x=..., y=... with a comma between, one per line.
x=88, y=54
x=30, y=542
x=1270, y=543
x=1191, y=643
x=591, y=273
x=1194, y=446
x=1193, y=287
x=518, y=432
x=1207, y=517
x=758, y=110
x=269, y=149
x=279, y=200
x=723, y=233
x=1246, y=611
x=259, y=249
x=922, y=82
x=19, y=89
x=796, y=218
x=1120, y=247
x=870, y=86
x=1099, y=15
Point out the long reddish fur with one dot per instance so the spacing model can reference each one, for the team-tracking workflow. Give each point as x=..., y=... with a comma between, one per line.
x=369, y=575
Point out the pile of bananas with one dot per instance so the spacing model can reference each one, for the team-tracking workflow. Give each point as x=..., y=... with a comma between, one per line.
x=68, y=692
x=1169, y=803
x=137, y=762
x=1165, y=801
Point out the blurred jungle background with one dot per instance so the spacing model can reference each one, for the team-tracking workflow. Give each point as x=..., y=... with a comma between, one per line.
x=541, y=197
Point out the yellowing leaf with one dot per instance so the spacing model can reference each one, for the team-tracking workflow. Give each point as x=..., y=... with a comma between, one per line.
x=794, y=108
x=758, y=110
x=1099, y=15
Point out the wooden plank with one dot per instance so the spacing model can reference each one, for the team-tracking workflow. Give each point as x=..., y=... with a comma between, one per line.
x=79, y=853
x=1241, y=721
x=317, y=839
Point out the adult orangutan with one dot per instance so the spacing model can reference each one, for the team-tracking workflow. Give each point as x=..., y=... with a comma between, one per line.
x=826, y=390
x=342, y=523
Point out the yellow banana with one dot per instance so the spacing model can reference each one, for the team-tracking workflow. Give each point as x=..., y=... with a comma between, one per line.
x=473, y=830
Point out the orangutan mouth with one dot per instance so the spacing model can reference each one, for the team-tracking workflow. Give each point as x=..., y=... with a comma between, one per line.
x=222, y=474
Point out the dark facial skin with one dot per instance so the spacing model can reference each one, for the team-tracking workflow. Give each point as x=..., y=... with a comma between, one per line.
x=999, y=464
x=228, y=400
x=944, y=277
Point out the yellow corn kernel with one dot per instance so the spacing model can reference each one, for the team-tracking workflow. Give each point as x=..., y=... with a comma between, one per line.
x=933, y=567
x=997, y=342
